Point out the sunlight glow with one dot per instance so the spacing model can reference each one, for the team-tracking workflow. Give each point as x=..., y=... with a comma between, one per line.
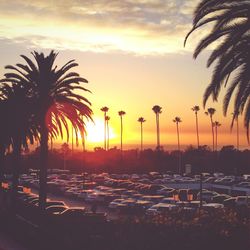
x=95, y=131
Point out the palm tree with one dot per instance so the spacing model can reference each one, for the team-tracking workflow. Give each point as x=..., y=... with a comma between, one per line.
x=54, y=100
x=121, y=114
x=107, y=118
x=72, y=139
x=5, y=138
x=231, y=27
x=178, y=120
x=236, y=115
x=141, y=120
x=210, y=112
x=157, y=110
x=216, y=125
x=19, y=127
x=196, y=109
x=105, y=110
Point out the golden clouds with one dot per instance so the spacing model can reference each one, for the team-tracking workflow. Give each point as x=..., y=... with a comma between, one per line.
x=143, y=27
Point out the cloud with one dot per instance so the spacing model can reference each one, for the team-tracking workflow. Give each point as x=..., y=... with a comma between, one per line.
x=142, y=27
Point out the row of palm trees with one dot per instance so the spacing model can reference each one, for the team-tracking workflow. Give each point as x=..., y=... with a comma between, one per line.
x=38, y=99
x=177, y=120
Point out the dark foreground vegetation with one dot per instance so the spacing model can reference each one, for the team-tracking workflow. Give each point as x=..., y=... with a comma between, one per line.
x=204, y=229
x=228, y=160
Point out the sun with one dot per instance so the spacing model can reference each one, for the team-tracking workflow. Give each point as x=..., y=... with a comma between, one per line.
x=95, y=131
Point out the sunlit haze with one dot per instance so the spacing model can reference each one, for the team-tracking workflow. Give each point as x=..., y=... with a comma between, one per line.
x=132, y=54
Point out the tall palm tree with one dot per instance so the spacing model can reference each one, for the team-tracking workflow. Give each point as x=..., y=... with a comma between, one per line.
x=216, y=125
x=5, y=137
x=121, y=114
x=72, y=139
x=236, y=115
x=52, y=90
x=178, y=120
x=231, y=56
x=105, y=110
x=196, y=109
x=210, y=112
x=19, y=127
x=107, y=118
x=141, y=120
x=157, y=110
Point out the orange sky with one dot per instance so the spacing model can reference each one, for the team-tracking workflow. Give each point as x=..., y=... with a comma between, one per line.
x=132, y=54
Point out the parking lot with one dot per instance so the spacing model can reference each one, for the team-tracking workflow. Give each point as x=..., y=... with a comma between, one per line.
x=150, y=193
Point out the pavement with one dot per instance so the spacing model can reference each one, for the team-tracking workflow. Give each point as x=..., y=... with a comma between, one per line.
x=8, y=243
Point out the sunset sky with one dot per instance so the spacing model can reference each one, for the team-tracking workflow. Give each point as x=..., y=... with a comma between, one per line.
x=132, y=54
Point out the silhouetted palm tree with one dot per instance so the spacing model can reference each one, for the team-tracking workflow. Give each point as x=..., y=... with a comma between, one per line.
x=210, y=112
x=55, y=102
x=216, y=125
x=18, y=123
x=236, y=115
x=141, y=120
x=5, y=134
x=232, y=57
x=196, y=109
x=157, y=110
x=178, y=120
x=105, y=110
x=107, y=118
x=121, y=114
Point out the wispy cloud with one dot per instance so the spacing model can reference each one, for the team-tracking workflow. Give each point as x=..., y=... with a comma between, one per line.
x=136, y=26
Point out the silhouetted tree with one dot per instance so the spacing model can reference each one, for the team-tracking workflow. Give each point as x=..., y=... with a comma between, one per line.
x=105, y=110
x=196, y=109
x=236, y=115
x=231, y=27
x=141, y=120
x=20, y=127
x=55, y=101
x=216, y=125
x=121, y=114
x=157, y=110
x=210, y=112
x=177, y=120
x=107, y=118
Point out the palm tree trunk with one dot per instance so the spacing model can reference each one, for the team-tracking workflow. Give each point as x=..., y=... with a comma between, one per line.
x=83, y=151
x=178, y=137
x=197, y=130
x=72, y=139
x=158, y=131
x=121, y=132
x=43, y=167
x=141, y=137
x=237, y=131
x=179, y=150
x=2, y=152
x=216, y=138
x=107, y=135
x=16, y=168
x=105, y=130
x=212, y=130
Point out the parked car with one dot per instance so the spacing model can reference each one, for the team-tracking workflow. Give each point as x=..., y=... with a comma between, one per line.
x=242, y=201
x=213, y=206
x=220, y=198
x=56, y=209
x=160, y=208
x=231, y=202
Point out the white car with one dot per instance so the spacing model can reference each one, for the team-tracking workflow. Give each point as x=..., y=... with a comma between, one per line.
x=243, y=201
x=160, y=208
x=113, y=204
x=213, y=205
